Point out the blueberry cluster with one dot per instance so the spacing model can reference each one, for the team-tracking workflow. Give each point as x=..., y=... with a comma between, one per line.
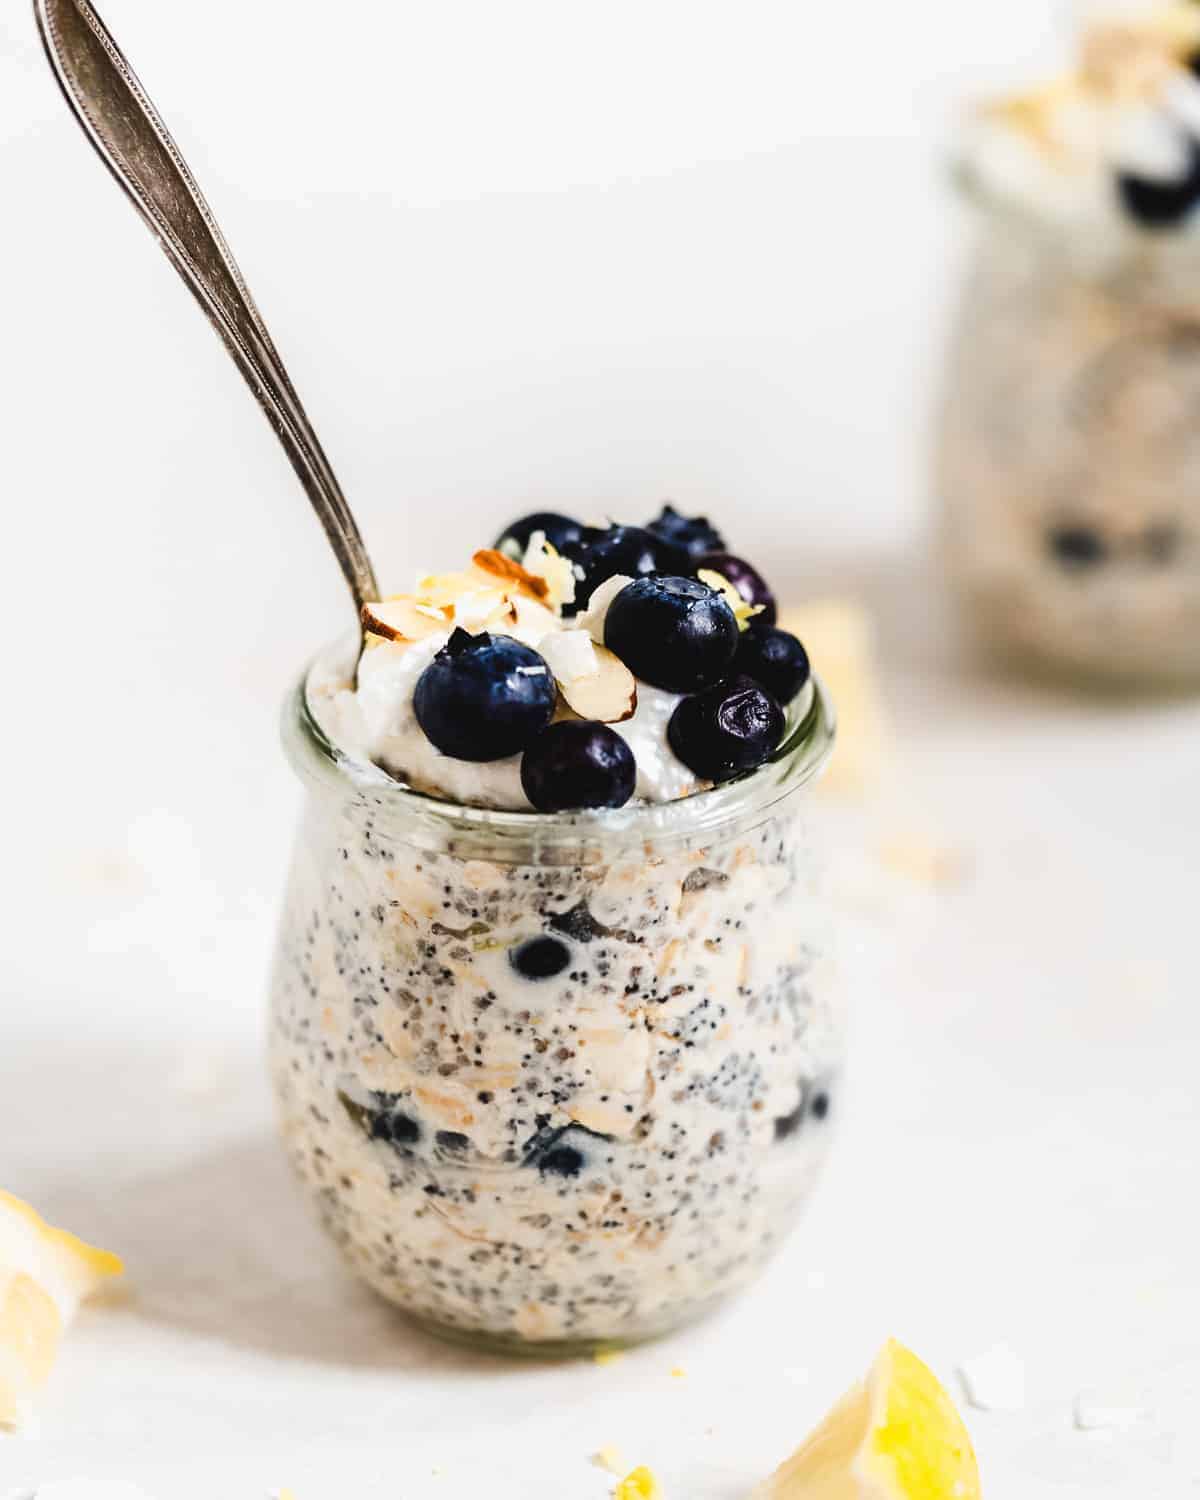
x=674, y=626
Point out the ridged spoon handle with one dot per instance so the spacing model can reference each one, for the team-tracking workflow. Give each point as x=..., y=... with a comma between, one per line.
x=117, y=117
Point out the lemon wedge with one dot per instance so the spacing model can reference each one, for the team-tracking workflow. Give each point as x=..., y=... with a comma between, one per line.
x=45, y=1273
x=639, y=1484
x=895, y=1436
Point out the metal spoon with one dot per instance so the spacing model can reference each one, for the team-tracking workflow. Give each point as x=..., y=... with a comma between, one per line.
x=112, y=108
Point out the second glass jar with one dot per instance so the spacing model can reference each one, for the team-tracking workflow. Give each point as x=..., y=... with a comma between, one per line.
x=1069, y=457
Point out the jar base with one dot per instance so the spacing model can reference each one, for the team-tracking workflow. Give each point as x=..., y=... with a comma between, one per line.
x=1121, y=683
x=513, y=1346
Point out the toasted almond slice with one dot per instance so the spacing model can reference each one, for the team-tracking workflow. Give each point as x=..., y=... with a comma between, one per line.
x=403, y=619
x=608, y=694
x=482, y=609
x=533, y=621
x=440, y=589
x=494, y=564
x=503, y=619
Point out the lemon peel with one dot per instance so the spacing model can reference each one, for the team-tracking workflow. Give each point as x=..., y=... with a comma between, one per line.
x=45, y=1272
x=638, y=1484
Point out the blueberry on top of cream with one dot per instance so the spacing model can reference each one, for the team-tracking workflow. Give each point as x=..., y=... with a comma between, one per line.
x=484, y=697
x=674, y=633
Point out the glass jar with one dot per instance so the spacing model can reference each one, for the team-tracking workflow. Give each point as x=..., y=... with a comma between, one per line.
x=1069, y=454
x=555, y=1082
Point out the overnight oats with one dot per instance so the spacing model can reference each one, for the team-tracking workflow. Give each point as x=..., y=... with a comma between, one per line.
x=554, y=1034
x=1069, y=464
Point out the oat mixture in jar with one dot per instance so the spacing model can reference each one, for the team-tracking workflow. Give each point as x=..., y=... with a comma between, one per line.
x=1069, y=447
x=558, y=1060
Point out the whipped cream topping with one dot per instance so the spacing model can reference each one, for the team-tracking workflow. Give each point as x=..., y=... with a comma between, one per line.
x=376, y=724
x=1128, y=108
x=367, y=706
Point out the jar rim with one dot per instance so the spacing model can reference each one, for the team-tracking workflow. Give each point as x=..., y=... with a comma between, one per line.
x=799, y=759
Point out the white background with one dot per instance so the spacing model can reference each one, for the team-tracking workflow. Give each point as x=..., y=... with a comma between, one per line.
x=517, y=256
x=583, y=257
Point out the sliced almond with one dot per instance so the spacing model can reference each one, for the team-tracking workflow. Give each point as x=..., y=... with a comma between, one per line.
x=403, y=618
x=609, y=693
x=494, y=565
x=533, y=621
x=483, y=609
x=444, y=588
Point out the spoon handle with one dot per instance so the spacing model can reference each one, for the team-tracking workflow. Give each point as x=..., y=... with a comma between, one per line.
x=115, y=114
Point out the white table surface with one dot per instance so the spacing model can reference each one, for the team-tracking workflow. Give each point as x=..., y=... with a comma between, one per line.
x=1017, y=1163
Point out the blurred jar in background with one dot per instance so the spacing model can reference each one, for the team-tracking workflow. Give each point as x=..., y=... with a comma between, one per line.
x=1069, y=448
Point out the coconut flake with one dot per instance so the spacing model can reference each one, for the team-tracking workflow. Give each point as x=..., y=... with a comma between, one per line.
x=995, y=1380
x=1109, y=1411
x=542, y=560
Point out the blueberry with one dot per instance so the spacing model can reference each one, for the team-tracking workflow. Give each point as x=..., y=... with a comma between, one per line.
x=1162, y=203
x=729, y=728
x=1161, y=542
x=813, y=1104
x=674, y=633
x=540, y=958
x=453, y=1141
x=484, y=697
x=562, y=1161
x=381, y=1120
x=403, y=1130
x=578, y=763
x=692, y=534
x=775, y=659
x=787, y=1125
x=1077, y=546
x=748, y=581
x=623, y=549
x=556, y=1150
x=561, y=532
